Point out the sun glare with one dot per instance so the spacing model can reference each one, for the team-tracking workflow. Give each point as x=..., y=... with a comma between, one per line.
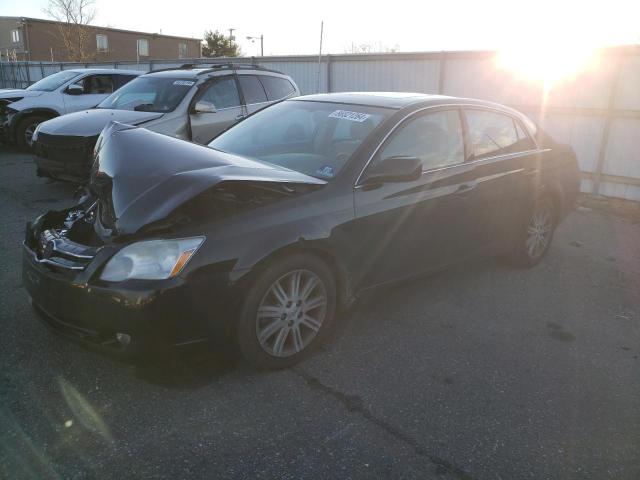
x=548, y=62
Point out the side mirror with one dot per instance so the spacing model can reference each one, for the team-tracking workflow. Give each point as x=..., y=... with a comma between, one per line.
x=74, y=90
x=202, y=106
x=395, y=169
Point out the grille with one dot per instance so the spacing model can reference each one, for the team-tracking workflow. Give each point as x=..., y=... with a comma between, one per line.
x=66, y=149
x=55, y=250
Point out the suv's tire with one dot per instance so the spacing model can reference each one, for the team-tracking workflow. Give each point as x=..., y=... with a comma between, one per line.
x=279, y=326
x=534, y=239
x=25, y=129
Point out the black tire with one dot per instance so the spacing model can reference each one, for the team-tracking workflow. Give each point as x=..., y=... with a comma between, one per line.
x=524, y=255
x=25, y=126
x=248, y=325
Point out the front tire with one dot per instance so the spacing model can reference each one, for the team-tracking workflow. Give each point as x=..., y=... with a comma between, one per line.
x=25, y=129
x=533, y=242
x=287, y=313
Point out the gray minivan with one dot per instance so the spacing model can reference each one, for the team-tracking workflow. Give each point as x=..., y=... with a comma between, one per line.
x=194, y=103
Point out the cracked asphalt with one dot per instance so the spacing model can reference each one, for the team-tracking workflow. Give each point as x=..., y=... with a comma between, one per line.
x=480, y=372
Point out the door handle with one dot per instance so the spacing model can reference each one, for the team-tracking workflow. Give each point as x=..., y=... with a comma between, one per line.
x=240, y=117
x=465, y=188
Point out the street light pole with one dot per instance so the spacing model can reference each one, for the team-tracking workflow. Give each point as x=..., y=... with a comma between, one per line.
x=261, y=37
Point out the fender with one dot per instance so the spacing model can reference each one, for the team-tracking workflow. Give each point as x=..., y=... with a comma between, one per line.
x=17, y=117
x=314, y=242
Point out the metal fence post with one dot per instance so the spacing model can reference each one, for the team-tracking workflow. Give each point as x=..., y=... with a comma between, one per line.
x=606, y=131
x=328, y=73
x=441, y=72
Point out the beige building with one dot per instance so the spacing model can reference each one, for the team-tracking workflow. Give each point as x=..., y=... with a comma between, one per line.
x=23, y=38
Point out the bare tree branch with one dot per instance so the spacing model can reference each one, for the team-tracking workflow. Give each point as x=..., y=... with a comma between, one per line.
x=74, y=17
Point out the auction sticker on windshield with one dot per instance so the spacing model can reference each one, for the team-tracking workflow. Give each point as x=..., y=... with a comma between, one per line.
x=186, y=83
x=351, y=116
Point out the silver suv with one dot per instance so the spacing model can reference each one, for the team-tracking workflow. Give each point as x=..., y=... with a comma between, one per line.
x=193, y=103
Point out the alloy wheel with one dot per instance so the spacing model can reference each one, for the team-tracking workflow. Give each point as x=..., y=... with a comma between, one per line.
x=291, y=313
x=539, y=231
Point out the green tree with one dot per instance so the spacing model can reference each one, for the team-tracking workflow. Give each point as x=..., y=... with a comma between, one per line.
x=217, y=45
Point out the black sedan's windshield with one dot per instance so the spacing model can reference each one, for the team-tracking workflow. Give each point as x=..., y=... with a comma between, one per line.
x=50, y=83
x=314, y=138
x=149, y=94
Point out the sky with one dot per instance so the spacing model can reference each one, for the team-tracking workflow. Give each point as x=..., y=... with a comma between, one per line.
x=293, y=27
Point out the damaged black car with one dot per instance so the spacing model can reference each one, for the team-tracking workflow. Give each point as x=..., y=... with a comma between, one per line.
x=288, y=217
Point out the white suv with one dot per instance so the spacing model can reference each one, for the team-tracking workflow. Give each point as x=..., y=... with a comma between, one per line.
x=63, y=92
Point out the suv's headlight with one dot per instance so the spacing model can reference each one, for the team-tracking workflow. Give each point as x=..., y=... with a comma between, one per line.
x=151, y=260
x=34, y=137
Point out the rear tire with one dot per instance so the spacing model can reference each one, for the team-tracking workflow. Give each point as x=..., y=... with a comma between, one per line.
x=534, y=239
x=287, y=312
x=25, y=129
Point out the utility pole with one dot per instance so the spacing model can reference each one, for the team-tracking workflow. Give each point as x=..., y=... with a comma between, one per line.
x=231, y=37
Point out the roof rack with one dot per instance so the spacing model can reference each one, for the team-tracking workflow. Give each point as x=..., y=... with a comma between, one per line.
x=212, y=67
x=185, y=66
x=236, y=66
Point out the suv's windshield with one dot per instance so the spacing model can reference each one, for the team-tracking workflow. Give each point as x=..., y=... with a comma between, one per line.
x=149, y=94
x=50, y=83
x=314, y=138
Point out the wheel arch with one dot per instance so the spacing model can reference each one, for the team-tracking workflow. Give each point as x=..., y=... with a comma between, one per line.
x=29, y=112
x=554, y=193
x=321, y=251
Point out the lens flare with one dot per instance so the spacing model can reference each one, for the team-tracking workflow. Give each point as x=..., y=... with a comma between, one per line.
x=548, y=62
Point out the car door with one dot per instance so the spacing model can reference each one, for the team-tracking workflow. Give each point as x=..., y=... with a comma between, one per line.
x=255, y=98
x=222, y=93
x=412, y=226
x=94, y=89
x=506, y=171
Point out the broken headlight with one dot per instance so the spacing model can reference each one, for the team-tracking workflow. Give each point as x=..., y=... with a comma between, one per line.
x=151, y=259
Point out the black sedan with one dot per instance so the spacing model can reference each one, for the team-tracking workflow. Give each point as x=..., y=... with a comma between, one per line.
x=289, y=217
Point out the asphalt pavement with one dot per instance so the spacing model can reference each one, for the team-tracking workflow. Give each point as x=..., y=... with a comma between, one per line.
x=480, y=372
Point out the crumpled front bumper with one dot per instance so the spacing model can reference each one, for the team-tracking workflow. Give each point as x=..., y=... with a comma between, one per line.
x=155, y=314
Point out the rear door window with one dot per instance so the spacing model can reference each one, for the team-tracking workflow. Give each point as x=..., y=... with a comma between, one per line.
x=493, y=133
x=252, y=89
x=435, y=138
x=277, y=88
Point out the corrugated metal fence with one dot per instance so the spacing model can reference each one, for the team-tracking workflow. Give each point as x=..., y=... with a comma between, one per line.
x=596, y=111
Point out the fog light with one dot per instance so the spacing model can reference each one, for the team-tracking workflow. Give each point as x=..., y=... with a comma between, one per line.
x=123, y=339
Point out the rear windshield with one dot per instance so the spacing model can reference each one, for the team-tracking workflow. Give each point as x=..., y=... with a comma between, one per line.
x=50, y=83
x=149, y=94
x=314, y=138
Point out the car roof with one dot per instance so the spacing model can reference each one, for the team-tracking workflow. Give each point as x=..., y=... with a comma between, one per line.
x=395, y=100
x=104, y=70
x=399, y=100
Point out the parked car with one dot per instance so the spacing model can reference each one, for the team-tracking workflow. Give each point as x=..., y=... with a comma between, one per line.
x=21, y=111
x=288, y=217
x=191, y=103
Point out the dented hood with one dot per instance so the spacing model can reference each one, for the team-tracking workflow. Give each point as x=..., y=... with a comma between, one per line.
x=141, y=177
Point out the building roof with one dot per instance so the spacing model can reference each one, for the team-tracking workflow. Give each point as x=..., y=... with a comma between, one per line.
x=43, y=20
